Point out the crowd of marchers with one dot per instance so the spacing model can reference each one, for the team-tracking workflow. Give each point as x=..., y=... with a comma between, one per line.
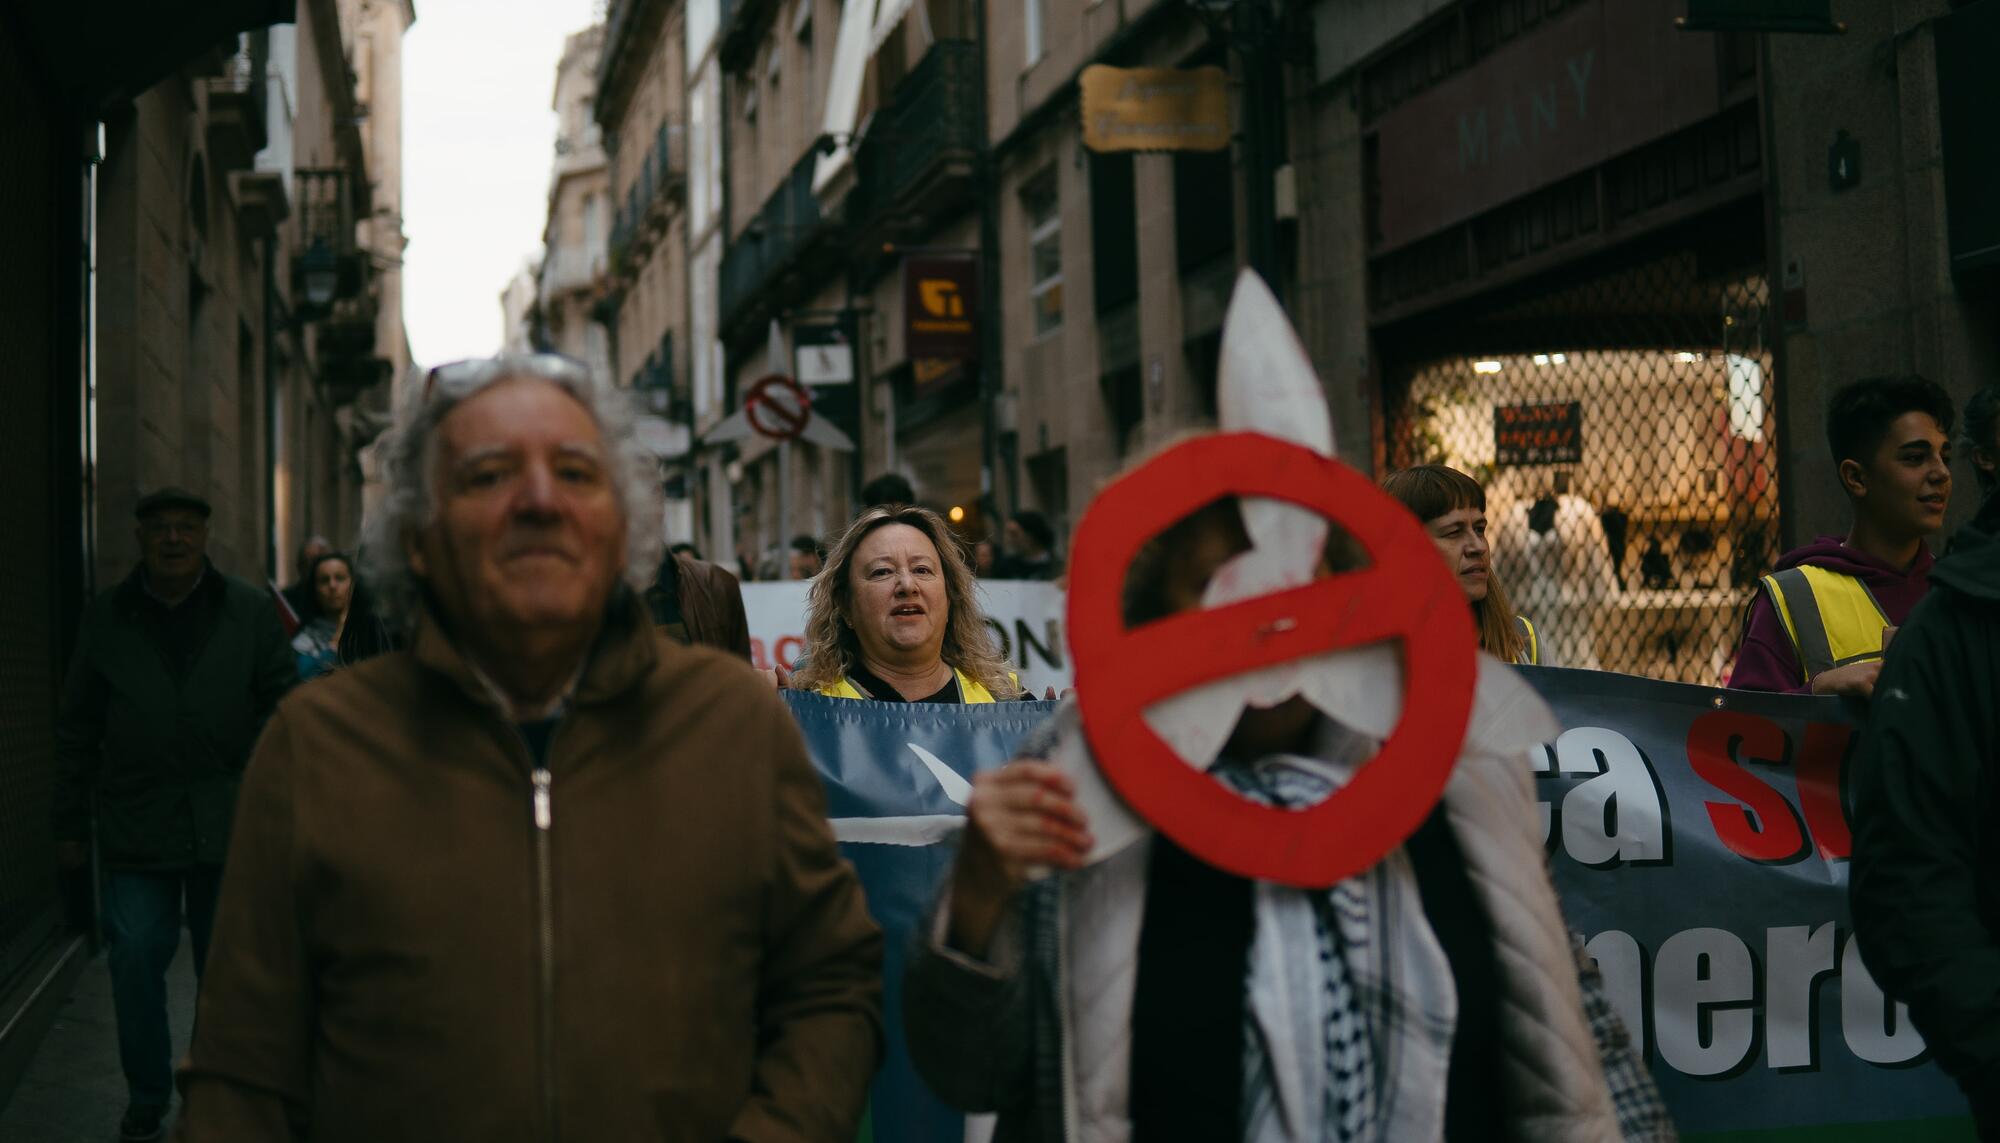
x=489, y=830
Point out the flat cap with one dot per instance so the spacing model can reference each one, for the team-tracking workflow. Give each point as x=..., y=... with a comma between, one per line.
x=171, y=496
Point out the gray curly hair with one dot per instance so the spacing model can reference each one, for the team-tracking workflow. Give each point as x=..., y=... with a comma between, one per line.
x=410, y=453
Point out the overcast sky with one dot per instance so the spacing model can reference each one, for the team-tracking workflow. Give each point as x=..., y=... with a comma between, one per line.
x=478, y=138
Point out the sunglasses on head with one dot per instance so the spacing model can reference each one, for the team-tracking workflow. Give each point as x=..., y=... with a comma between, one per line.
x=474, y=373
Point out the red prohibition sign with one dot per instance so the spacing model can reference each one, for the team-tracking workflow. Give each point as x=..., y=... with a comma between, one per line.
x=1405, y=593
x=778, y=407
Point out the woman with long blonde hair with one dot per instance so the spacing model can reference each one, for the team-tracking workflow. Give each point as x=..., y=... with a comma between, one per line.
x=1452, y=506
x=893, y=617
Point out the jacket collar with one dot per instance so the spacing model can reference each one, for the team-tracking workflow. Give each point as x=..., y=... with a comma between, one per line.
x=132, y=595
x=624, y=654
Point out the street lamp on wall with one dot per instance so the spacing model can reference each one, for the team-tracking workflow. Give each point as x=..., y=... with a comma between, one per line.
x=319, y=275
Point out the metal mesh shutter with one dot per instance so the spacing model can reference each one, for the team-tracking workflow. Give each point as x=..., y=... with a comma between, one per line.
x=28, y=315
x=1623, y=423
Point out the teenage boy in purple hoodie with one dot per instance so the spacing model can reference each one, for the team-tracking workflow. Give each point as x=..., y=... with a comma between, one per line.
x=1817, y=624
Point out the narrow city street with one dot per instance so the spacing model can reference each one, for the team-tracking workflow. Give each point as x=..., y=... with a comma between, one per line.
x=73, y=1091
x=672, y=569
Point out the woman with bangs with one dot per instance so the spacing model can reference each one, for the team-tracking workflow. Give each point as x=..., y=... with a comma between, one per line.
x=1452, y=506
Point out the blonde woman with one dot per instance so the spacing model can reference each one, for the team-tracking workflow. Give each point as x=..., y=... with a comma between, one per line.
x=1452, y=506
x=892, y=617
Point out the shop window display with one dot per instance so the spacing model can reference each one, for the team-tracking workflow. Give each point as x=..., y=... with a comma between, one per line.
x=1623, y=428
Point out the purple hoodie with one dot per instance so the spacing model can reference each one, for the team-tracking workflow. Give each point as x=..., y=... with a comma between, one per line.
x=1766, y=661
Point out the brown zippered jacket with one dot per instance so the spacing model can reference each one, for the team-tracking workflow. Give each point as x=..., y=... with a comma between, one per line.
x=409, y=947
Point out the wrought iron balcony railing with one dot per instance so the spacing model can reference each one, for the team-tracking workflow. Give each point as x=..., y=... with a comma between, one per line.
x=929, y=130
x=662, y=178
x=788, y=225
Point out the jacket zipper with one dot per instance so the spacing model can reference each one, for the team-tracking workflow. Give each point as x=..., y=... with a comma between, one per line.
x=545, y=905
x=543, y=817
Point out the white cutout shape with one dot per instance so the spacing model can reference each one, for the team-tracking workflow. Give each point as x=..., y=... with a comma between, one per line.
x=914, y=829
x=1267, y=385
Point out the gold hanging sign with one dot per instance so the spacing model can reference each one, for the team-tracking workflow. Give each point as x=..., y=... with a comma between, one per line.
x=1155, y=108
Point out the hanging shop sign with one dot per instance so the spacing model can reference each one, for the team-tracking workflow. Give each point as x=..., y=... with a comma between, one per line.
x=1155, y=108
x=822, y=354
x=941, y=306
x=1537, y=434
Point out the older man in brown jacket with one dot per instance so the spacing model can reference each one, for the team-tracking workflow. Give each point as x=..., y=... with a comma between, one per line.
x=546, y=874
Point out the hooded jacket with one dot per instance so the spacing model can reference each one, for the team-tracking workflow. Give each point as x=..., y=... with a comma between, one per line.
x=422, y=936
x=697, y=602
x=1925, y=882
x=1767, y=661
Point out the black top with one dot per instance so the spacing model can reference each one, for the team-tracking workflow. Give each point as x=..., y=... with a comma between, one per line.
x=1472, y=1093
x=875, y=688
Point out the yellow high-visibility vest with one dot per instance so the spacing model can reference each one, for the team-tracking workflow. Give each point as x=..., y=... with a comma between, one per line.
x=1831, y=617
x=1531, y=645
x=968, y=690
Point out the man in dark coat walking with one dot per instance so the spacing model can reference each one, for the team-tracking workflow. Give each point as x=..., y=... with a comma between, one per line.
x=1926, y=780
x=174, y=673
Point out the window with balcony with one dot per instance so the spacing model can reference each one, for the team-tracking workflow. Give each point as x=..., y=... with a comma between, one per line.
x=1204, y=208
x=1044, y=211
x=593, y=230
x=1114, y=231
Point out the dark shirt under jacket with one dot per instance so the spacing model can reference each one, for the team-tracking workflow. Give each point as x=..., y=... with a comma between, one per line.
x=877, y=689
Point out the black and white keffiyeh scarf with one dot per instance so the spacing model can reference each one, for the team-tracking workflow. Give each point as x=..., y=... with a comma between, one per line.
x=1349, y=1001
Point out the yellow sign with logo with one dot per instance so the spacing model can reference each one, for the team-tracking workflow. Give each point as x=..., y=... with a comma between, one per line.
x=1155, y=108
x=943, y=305
x=940, y=306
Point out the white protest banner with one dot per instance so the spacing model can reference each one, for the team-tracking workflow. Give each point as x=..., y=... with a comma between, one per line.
x=1024, y=616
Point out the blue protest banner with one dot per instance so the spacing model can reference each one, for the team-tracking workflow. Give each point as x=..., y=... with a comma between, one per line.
x=1699, y=842
x=896, y=778
x=1697, y=838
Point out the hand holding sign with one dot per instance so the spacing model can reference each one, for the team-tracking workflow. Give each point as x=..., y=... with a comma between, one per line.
x=1024, y=820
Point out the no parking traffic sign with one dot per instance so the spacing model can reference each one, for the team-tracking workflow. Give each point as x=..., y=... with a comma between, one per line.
x=778, y=407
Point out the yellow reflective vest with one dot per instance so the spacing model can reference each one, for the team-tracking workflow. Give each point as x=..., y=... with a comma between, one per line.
x=1832, y=618
x=968, y=690
x=1531, y=644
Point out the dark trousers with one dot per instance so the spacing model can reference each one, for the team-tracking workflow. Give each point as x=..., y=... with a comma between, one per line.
x=143, y=913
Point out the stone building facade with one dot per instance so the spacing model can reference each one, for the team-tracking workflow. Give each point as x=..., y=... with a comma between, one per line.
x=1476, y=211
x=576, y=238
x=169, y=319
x=658, y=131
x=961, y=154
x=249, y=322
x=1668, y=246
